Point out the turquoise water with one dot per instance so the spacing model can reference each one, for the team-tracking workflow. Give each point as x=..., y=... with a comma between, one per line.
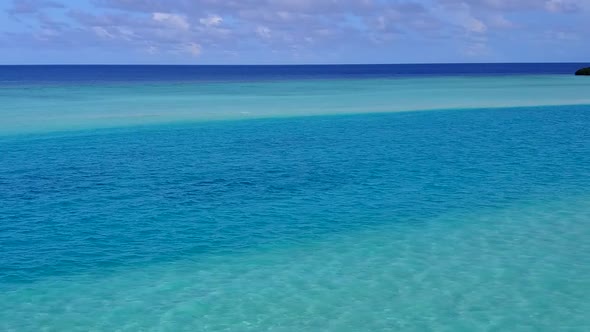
x=124, y=208
x=55, y=107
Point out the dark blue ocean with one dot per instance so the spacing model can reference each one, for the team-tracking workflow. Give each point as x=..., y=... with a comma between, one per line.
x=295, y=198
x=213, y=73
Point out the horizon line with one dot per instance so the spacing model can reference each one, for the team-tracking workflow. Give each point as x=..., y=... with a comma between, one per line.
x=289, y=64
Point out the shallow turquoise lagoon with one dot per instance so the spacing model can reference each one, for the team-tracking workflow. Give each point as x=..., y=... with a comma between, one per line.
x=57, y=107
x=450, y=220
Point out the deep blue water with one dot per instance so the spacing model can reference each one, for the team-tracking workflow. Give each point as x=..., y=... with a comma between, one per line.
x=155, y=73
x=115, y=198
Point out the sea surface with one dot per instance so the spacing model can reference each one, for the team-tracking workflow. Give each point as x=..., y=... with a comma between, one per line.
x=295, y=198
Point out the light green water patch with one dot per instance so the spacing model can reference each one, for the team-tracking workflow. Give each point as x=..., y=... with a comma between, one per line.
x=523, y=268
x=31, y=109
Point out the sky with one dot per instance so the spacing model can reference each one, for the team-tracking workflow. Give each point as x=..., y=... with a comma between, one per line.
x=292, y=31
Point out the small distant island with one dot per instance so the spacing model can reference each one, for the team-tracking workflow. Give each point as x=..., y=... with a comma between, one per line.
x=584, y=71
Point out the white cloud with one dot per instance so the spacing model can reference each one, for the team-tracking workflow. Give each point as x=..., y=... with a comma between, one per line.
x=263, y=32
x=211, y=20
x=152, y=49
x=499, y=21
x=562, y=35
x=477, y=49
x=102, y=33
x=560, y=6
x=326, y=29
x=475, y=25
x=171, y=20
x=193, y=49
